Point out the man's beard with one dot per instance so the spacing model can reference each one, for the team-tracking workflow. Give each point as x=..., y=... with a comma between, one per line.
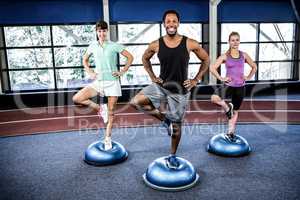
x=171, y=34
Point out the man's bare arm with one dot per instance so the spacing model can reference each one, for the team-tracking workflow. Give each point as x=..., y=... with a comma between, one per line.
x=203, y=56
x=148, y=54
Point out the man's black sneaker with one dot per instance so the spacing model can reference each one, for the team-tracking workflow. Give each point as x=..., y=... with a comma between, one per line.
x=172, y=162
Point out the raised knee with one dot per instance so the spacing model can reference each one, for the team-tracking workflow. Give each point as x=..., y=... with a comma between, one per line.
x=214, y=98
x=75, y=99
x=134, y=102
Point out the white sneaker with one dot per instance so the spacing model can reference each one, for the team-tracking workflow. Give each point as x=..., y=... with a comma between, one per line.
x=107, y=144
x=103, y=112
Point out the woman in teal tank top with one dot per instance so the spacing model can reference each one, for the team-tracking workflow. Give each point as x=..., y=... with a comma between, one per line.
x=105, y=77
x=234, y=81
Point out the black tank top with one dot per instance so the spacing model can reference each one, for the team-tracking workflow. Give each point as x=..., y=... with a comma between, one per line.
x=173, y=66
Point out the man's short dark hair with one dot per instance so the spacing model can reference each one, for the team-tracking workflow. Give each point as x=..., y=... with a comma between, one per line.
x=101, y=25
x=170, y=12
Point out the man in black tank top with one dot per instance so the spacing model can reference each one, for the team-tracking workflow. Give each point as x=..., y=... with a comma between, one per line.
x=174, y=65
x=172, y=86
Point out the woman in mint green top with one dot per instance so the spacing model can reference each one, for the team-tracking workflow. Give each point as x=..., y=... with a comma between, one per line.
x=105, y=56
x=106, y=77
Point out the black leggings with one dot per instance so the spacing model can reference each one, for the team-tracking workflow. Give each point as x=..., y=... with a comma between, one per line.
x=236, y=93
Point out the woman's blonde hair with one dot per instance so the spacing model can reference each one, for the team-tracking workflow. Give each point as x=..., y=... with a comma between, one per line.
x=233, y=33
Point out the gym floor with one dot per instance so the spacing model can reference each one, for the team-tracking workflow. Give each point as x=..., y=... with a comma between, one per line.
x=42, y=153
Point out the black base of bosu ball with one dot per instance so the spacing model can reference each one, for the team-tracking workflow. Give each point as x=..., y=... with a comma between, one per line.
x=220, y=145
x=95, y=154
x=160, y=177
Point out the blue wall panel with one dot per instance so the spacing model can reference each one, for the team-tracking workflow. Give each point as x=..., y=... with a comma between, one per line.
x=256, y=11
x=50, y=12
x=152, y=11
x=89, y=11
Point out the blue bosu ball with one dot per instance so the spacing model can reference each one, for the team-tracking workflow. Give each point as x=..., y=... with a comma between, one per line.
x=222, y=146
x=96, y=155
x=159, y=176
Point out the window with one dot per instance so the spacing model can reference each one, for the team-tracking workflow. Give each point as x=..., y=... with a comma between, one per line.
x=46, y=57
x=71, y=78
x=136, y=38
x=275, y=51
x=29, y=58
x=247, y=31
x=70, y=43
x=25, y=36
x=138, y=33
x=275, y=70
x=73, y=34
x=193, y=70
x=137, y=51
x=138, y=76
x=276, y=32
x=31, y=79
